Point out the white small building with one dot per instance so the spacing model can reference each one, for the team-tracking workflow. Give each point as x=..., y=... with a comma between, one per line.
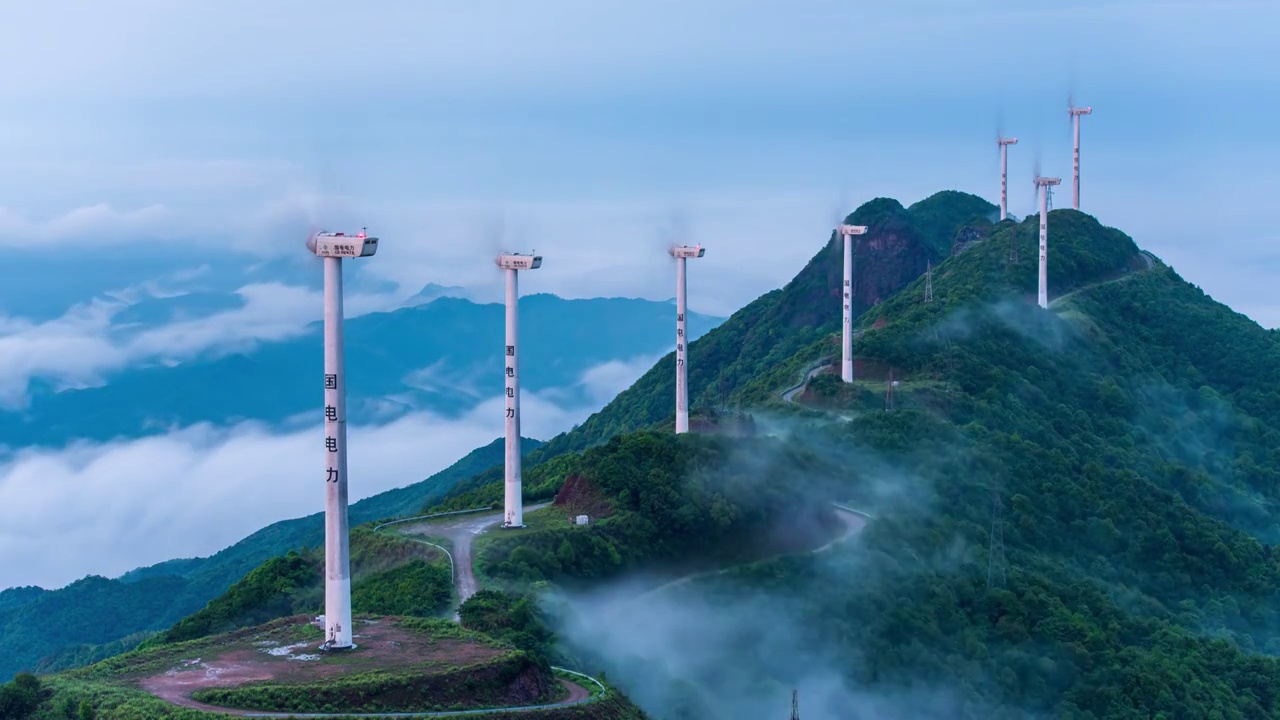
x=580, y=520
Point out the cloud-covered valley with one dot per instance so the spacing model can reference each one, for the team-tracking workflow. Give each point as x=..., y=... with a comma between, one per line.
x=105, y=508
x=83, y=346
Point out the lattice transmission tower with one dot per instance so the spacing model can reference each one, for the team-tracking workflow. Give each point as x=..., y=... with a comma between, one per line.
x=795, y=705
x=928, y=283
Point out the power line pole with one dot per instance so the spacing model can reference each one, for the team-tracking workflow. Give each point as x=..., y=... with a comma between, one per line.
x=795, y=705
x=888, y=393
x=928, y=283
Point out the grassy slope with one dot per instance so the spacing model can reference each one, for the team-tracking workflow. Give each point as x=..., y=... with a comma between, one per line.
x=390, y=576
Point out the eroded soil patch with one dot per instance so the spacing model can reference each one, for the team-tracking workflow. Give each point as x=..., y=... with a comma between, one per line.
x=274, y=654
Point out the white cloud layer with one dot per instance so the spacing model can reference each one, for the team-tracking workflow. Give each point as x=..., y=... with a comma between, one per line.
x=107, y=508
x=99, y=224
x=80, y=348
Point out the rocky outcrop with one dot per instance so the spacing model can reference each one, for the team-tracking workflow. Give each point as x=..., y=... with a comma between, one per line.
x=578, y=496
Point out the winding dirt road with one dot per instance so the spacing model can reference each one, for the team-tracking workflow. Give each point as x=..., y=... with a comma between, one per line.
x=853, y=520
x=1147, y=258
x=461, y=532
x=790, y=393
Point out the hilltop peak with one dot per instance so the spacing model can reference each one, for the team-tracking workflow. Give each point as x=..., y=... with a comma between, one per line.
x=435, y=291
x=875, y=212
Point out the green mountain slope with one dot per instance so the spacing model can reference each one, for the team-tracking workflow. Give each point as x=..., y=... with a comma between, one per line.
x=1127, y=437
x=764, y=335
x=390, y=576
x=939, y=217
x=1074, y=507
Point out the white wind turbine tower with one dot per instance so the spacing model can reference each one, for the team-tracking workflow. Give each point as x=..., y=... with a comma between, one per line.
x=1004, y=143
x=1042, y=187
x=846, y=348
x=682, y=253
x=1074, y=113
x=513, y=506
x=337, y=566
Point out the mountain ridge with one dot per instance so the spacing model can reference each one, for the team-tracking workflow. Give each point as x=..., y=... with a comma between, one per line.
x=1122, y=441
x=1134, y=453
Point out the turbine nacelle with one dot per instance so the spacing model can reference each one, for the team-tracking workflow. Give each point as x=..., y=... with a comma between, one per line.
x=852, y=229
x=518, y=261
x=1006, y=141
x=687, y=251
x=340, y=245
x=1080, y=110
x=1043, y=181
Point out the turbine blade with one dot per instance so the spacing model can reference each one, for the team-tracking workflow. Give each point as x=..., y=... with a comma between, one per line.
x=838, y=208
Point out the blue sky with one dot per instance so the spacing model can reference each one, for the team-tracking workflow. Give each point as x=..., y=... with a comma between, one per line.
x=590, y=121
x=155, y=146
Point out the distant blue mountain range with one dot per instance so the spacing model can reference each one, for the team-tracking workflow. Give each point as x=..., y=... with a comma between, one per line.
x=443, y=355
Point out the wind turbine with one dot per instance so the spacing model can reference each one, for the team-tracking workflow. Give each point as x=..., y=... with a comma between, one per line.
x=337, y=566
x=1004, y=143
x=1042, y=187
x=1074, y=114
x=682, y=253
x=513, y=507
x=846, y=348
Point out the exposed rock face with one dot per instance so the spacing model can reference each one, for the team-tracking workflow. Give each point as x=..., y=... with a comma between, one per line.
x=579, y=497
x=969, y=236
x=531, y=685
x=885, y=260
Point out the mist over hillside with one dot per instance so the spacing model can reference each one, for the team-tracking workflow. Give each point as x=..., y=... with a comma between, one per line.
x=1073, y=507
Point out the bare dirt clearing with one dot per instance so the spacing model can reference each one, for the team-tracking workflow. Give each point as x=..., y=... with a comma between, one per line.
x=275, y=655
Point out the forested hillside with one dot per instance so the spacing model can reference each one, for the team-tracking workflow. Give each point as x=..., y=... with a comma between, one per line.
x=773, y=328
x=1073, y=508
x=1122, y=445
x=671, y=503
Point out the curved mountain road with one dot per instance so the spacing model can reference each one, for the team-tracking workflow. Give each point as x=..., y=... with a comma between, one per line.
x=854, y=521
x=790, y=393
x=461, y=532
x=1147, y=258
